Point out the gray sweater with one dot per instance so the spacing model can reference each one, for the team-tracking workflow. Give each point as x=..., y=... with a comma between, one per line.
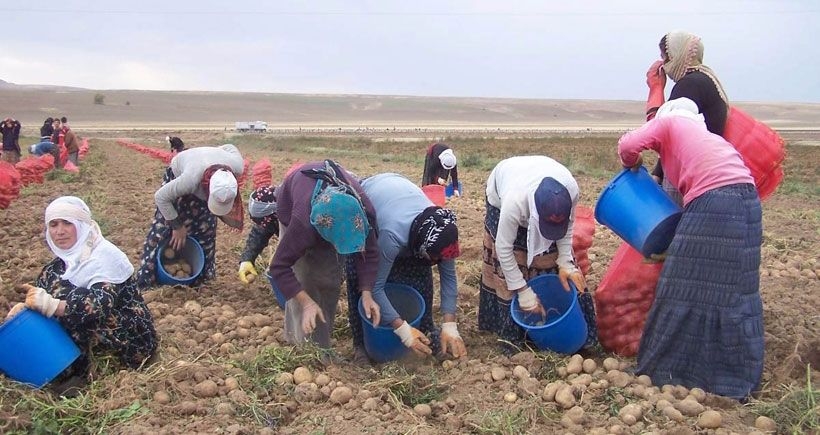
x=188, y=168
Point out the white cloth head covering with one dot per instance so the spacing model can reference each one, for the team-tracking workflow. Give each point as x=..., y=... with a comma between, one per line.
x=92, y=259
x=447, y=159
x=680, y=107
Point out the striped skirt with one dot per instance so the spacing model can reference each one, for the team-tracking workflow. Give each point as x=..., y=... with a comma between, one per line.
x=705, y=327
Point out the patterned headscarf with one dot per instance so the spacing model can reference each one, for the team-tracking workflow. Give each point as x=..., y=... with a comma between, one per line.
x=435, y=233
x=339, y=218
x=262, y=207
x=685, y=54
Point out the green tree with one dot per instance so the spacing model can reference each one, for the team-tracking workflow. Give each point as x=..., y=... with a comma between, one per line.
x=99, y=98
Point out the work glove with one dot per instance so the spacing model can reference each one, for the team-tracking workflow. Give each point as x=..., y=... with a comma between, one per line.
x=656, y=80
x=39, y=299
x=456, y=193
x=413, y=338
x=529, y=303
x=451, y=340
x=655, y=258
x=371, y=309
x=311, y=312
x=15, y=310
x=442, y=181
x=566, y=274
x=247, y=273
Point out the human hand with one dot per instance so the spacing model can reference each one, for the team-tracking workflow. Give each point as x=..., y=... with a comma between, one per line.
x=371, y=308
x=529, y=303
x=566, y=274
x=655, y=75
x=178, y=238
x=310, y=312
x=456, y=193
x=637, y=165
x=39, y=299
x=15, y=310
x=413, y=339
x=655, y=258
x=247, y=273
x=442, y=181
x=451, y=340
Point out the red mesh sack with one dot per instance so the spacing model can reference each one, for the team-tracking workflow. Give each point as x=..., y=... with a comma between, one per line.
x=262, y=173
x=10, y=183
x=582, y=232
x=623, y=299
x=762, y=149
x=241, y=180
x=71, y=167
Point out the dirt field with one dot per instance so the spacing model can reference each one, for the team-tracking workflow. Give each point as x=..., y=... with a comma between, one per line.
x=229, y=336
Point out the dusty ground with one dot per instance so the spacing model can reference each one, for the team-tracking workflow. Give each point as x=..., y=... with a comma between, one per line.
x=230, y=335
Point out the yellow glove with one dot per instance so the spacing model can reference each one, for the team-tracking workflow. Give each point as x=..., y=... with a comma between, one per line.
x=39, y=299
x=414, y=339
x=15, y=310
x=247, y=273
x=572, y=274
x=451, y=340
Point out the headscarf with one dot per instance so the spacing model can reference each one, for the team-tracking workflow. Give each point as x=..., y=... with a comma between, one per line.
x=680, y=107
x=685, y=54
x=92, y=259
x=262, y=206
x=339, y=218
x=447, y=159
x=434, y=232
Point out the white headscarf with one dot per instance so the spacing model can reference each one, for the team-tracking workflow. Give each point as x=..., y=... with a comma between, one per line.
x=92, y=259
x=447, y=159
x=680, y=107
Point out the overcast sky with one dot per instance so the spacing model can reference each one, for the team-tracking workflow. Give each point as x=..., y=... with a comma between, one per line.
x=762, y=50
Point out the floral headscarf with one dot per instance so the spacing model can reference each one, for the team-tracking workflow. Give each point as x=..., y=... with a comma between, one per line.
x=435, y=233
x=685, y=54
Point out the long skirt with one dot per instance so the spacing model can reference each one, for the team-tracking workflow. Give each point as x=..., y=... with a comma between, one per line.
x=412, y=271
x=705, y=327
x=103, y=318
x=495, y=298
x=201, y=225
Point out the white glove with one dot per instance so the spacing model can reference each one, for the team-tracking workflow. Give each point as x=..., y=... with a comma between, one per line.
x=413, y=338
x=442, y=181
x=456, y=193
x=39, y=299
x=527, y=299
x=451, y=340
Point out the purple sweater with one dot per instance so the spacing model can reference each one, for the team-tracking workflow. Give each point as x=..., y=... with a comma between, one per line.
x=293, y=209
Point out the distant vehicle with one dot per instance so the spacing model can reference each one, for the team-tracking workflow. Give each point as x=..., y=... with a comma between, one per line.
x=252, y=126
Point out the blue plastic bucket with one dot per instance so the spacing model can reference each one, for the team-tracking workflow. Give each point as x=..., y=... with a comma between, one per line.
x=192, y=252
x=448, y=191
x=380, y=342
x=280, y=298
x=564, y=329
x=35, y=349
x=637, y=209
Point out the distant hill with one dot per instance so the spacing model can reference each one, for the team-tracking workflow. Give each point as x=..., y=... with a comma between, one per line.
x=187, y=109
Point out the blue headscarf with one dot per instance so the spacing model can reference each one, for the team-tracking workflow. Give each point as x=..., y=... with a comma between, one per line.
x=339, y=218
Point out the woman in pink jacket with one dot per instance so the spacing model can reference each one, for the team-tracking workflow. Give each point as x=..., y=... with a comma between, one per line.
x=705, y=327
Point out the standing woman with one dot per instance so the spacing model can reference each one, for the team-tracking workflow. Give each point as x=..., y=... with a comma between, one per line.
x=323, y=213
x=10, y=129
x=413, y=236
x=705, y=327
x=527, y=232
x=88, y=287
x=682, y=60
x=439, y=165
x=199, y=186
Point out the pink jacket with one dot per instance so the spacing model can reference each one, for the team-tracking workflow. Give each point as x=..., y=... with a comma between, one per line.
x=694, y=160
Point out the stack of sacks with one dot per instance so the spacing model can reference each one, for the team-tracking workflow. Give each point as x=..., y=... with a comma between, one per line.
x=262, y=173
x=582, y=232
x=623, y=299
x=83, y=148
x=33, y=169
x=10, y=183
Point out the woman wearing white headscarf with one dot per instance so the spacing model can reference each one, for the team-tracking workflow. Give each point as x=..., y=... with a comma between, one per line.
x=705, y=327
x=89, y=288
x=682, y=61
x=440, y=164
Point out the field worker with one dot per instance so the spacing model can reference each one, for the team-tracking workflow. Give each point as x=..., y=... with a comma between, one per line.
x=262, y=210
x=413, y=236
x=439, y=165
x=72, y=143
x=323, y=214
x=705, y=327
x=177, y=145
x=527, y=232
x=10, y=129
x=682, y=61
x=89, y=289
x=199, y=186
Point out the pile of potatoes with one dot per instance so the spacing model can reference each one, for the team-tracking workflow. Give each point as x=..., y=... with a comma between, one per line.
x=176, y=267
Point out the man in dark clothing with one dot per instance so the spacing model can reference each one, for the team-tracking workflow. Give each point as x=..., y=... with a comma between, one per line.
x=11, y=140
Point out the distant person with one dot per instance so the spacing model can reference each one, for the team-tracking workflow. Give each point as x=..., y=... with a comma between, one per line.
x=528, y=231
x=177, y=145
x=705, y=327
x=10, y=130
x=46, y=146
x=682, y=61
x=199, y=187
x=72, y=144
x=47, y=129
x=64, y=121
x=440, y=165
